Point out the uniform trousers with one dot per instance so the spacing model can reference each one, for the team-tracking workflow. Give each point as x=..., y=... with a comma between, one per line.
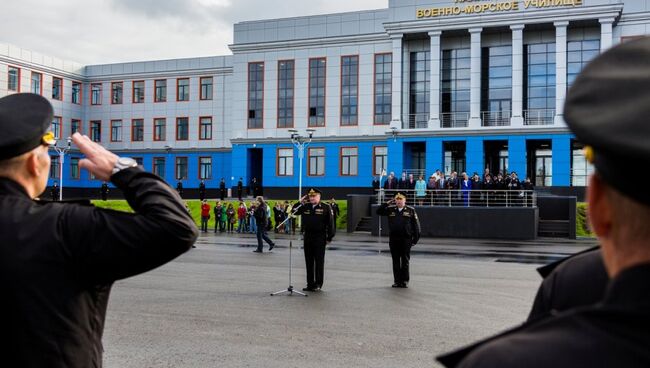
x=315, y=259
x=400, y=251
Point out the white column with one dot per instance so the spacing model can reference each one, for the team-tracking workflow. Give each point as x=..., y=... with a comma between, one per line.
x=517, y=119
x=475, y=78
x=396, y=108
x=606, y=33
x=560, y=70
x=434, y=87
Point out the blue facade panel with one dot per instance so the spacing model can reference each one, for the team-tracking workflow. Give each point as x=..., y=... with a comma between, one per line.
x=474, y=155
x=561, y=146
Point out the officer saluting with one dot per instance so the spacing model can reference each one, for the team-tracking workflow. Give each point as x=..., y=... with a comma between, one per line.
x=404, y=228
x=59, y=260
x=607, y=109
x=319, y=229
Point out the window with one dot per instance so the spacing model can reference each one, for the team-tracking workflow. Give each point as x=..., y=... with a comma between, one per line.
x=205, y=167
x=383, y=88
x=56, y=127
x=579, y=53
x=138, y=92
x=380, y=159
x=539, y=83
x=159, y=129
x=581, y=169
x=182, y=129
x=138, y=160
x=13, y=79
x=317, y=92
x=455, y=88
x=76, y=93
x=285, y=93
x=37, y=83
x=182, y=89
x=316, y=161
x=205, y=128
x=116, y=92
x=349, y=90
x=159, y=166
x=74, y=167
x=116, y=130
x=496, y=85
x=285, y=162
x=160, y=86
x=54, y=167
x=137, y=130
x=349, y=161
x=206, y=88
x=96, y=130
x=96, y=94
x=57, y=88
x=255, y=95
x=181, y=168
x=75, y=126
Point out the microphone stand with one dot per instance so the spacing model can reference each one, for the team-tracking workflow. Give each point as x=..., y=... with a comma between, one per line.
x=290, y=290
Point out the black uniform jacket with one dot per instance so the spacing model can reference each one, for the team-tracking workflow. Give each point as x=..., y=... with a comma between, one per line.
x=575, y=281
x=317, y=220
x=58, y=261
x=612, y=333
x=403, y=225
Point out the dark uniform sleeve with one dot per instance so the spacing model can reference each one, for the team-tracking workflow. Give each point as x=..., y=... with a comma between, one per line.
x=382, y=210
x=415, y=228
x=109, y=245
x=330, y=226
x=297, y=211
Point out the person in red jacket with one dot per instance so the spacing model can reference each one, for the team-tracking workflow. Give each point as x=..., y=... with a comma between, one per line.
x=205, y=215
x=241, y=216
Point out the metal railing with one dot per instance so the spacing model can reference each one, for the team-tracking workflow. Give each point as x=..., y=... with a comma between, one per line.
x=416, y=121
x=454, y=119
x=495, y=118
x=539, y=117
x=462, y=198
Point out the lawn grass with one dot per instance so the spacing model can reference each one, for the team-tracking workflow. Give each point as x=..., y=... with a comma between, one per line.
x=195, y=209
x=582, y=223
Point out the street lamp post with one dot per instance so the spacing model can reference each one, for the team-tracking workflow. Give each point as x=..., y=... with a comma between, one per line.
x=301, y=142
x=61, y=151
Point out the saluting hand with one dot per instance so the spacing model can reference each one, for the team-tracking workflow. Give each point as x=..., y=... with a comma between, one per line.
x=99, y=161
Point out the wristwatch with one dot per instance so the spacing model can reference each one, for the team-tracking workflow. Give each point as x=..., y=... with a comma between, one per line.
x=124, y=163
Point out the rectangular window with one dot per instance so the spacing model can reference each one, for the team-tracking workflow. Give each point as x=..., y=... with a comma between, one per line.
x=182, y=129
x=116, y=92
x=137, y=130
x=76, y=93
x=96, y=94
x=579, y=54
x=206, y=88
x=255, y=95
x=205, y=128
x=116, y=130
x=285, y=162
x=349, y=161
x=181, y=168
x=160, y=86
x=54, y=167
x=182, y=89
x=286, y=73
x=349, y=90
x=454, y=88
x=316, y=157
x=37, y=83
x=317, y=74
x=159, y=129
x=74, y=167
x=13, y=79
x=383, y=88
x=539, y=84
x=205, y=167
x=57, y=88
x=159, y=166
x=56, y=127
x=75, y=126
x=96, y=130
x=496, y=85
x=380, y=159
x=138, y=92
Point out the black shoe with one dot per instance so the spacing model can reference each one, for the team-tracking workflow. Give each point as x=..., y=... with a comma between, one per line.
x=308, y=288
x=257, y=251
x=405, y=285
x=396, y=285
x=271, y=246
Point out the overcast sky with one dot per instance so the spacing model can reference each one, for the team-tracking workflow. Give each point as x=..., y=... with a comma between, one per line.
x=105, y=31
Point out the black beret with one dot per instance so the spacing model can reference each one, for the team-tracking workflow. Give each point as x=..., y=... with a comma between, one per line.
x=314, y=191
x=608, y=109
x=25, y=118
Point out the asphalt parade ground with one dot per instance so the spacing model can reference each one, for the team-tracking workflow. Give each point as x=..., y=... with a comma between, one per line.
x=212, y=306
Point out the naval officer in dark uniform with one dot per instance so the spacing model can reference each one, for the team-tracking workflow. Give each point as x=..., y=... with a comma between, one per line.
x=319, y=229
x=607, y=109
x=404, y=232
x=58, y=260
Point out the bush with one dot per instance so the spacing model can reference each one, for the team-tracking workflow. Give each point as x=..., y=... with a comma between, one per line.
x=582, y=221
